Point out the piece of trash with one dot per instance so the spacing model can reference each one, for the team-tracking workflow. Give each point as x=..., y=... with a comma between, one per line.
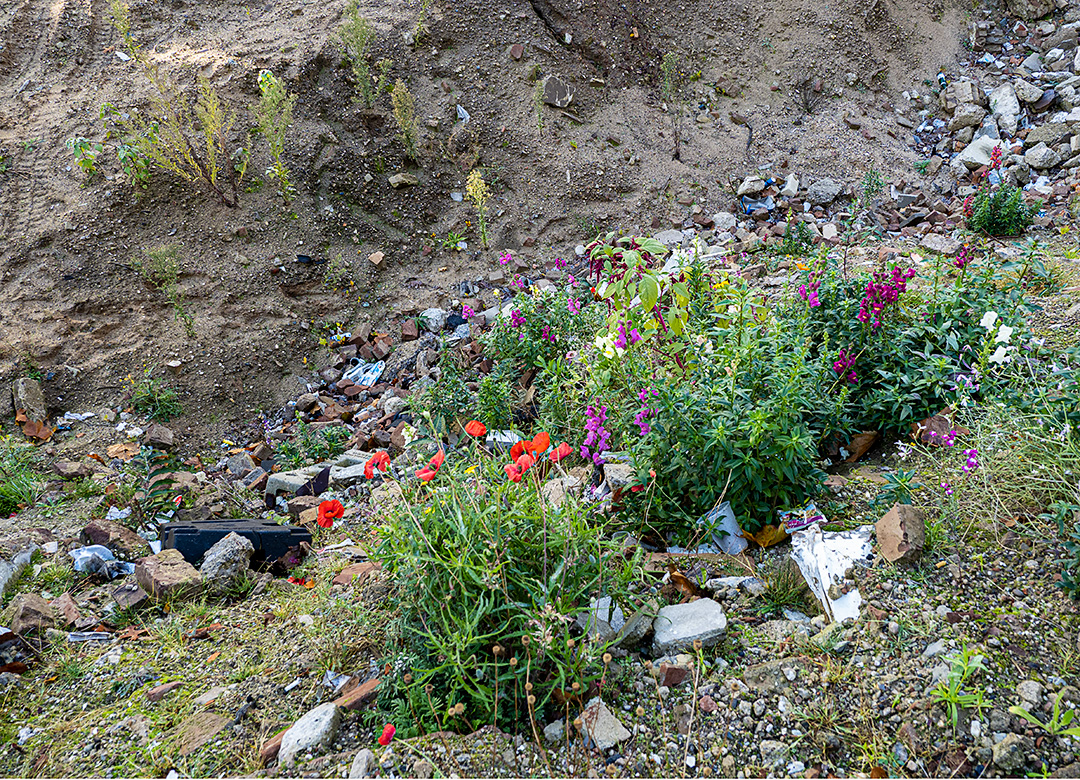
x=77, y=416
x=334, y=680
x=340, y=545
x=270, y=540
x=797, y=519
x=721, y=524
x=122, y=56
x=365, y=374
x=463, y=115
x=98, y=559
x=824, y=558
x=25, y=733
x=502, y=439
x=457, y=197
x=116, y=514
x=50, y=548
x=750, y=205
x=155, y=545
x=293, y=685
x=89, y=636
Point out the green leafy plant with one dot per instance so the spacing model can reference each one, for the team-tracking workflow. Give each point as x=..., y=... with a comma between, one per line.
x=151, y=397
x=154, y=472
x=310, y=444
x=1057, y=726
x=135, y=165
x=382, y=75
x=188, y=139
x=670, y=84
x=1066, y=514
x=339, y=274
x=356, y=36
x=898, y=488
x=452, y=240
x=274, y=114
x=954, y=692
x=160, y=267
x=405, y=116
x=477, y=191
x=446, y=400
x=86, y=153
x=493, y=402
x=999, y=211
x=798, y=240
x=19, y=483
x=420, y=29
x=489, y=593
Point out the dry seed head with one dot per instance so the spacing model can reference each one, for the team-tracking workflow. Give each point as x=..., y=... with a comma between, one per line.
x=576, y=686
x=525, y=641
x=697, y=645
x=707, y=771
x=408, y=679
x=531, y=699
x=640, y=711
x=528, y=686
x=459, y=708
x=607, y=658
x=648, y=664
x=577, y=723
x=569, y=642
x=497, y=650
x=513, y=661
x=429, y=688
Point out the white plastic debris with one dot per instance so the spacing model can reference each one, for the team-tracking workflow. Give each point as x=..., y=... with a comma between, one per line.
x=98, y=559
x=116, y=514
x=463, y=115
x=77, y=416
x=824, y=557
x=720, y=522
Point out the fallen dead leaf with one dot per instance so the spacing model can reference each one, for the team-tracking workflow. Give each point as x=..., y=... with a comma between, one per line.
x=125, y=451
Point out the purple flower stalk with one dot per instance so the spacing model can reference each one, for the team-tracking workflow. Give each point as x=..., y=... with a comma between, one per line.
x=505, y=258
x=517, y=319
x=573, y=305
x=467, y=312
x=645, y=412
x=597, y=436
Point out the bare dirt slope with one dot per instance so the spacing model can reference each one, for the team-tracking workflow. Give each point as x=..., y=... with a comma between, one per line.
x=72, y=304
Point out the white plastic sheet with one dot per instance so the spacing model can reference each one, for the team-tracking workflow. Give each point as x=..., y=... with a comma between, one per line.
x=824, y=556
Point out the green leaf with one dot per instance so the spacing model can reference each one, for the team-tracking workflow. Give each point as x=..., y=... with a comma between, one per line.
x=649, y=290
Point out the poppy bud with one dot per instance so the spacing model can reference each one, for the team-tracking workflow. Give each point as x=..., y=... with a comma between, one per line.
x=387, y=734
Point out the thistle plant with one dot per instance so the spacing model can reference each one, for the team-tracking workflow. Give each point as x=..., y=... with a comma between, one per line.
x=476, y=189
x=405, y=116
x=356, y=36
x=274, y=113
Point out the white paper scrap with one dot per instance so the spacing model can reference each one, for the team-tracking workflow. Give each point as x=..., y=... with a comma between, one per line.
x=824, y=556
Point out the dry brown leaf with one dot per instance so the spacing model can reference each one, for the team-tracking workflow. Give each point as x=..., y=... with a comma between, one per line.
x=38, y=430
x=769, y=535
x=124, y=451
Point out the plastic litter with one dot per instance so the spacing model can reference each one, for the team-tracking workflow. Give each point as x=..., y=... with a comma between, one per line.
x=89, y=636
x=463, y=115
x=115, y=514
x=334, y=680
x=798, y=519
x=824, y=557
x=77, y=416
x=750, y=205
x=502, y=439
x=293, y=685
x=365, y=374
x=98, y=559
x=721, y=524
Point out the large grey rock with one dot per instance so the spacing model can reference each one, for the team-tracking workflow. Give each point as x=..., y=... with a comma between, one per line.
x=10, y=571
x=227, y=563
x=823, y=192
x=290, y=481
x=167, y=575
x=1040, y=157
x=30, y=613
x=1010, y=754
x=1031, y=691
x=399, y=180
x=944, y=245
x=901, y=534
x=751, y=186
x=1005, y=106
x=348, y=475
x=977, y=153
x=1027, y=92
x=604, y=619
x=724, y=220
x=602, y=727
x=27, y=397
x=670, y=237
x=773, y=752
x=677, y=627
x=966, y=115
x=434, y=319
x=240, y=463
x=1030, y=10
x=315, y=730
x=557, y=92
x=124, y=543
x=362, y=764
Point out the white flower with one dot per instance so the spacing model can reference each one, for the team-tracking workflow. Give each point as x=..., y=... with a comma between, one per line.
x=1001, y=355
x=988, y=320
x=1004, y=334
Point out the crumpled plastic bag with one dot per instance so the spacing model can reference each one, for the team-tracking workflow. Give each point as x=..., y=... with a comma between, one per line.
x=98, y=559
x=824, y=557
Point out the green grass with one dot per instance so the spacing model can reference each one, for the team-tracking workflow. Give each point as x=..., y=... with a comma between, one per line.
x=158, y=402
x=19, y=483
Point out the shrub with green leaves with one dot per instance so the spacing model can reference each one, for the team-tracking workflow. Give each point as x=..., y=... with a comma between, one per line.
x=153, y=398
x=999, y=211
x=309, y=444
x=490, y=580
x=274, y=113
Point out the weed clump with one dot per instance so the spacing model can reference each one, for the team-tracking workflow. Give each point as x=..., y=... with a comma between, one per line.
x=274, y=113
x=356, y=36
x=405, y=116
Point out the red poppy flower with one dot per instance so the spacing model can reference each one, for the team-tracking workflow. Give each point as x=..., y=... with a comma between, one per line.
x=476, y=429
x=428, y=473
x=329, y=511
x=560, y=452
x=518, y=468
x=539, y=444
x=380, y=460
x=387, y=734
x=517, y=450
